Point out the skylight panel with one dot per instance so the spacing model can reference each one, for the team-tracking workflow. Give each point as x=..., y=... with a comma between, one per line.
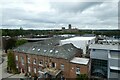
x=71, y=48
x=51, y=51
x=38, y=49
x=45, y=50
x=68, y=49
x=56, y=51
x=33, y=49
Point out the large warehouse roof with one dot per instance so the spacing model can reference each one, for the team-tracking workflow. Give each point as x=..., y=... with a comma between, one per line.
x=79, y=42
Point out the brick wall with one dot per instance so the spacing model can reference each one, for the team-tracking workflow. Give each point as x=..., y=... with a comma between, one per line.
x=69, y=68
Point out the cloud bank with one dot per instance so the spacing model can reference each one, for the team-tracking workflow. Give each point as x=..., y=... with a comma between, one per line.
x=47, y=14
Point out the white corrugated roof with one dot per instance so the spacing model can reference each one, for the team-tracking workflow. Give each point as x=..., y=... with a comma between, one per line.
x=104, y=46
x=79, y=38
x=79, y=60
x=79, y=42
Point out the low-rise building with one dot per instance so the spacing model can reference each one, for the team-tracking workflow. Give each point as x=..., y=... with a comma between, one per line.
x=48, y=60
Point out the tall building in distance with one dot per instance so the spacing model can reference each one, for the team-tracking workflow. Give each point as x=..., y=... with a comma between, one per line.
x=69, y=26
x=70, y=29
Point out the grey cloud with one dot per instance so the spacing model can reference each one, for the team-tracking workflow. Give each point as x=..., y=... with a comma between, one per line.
x=68, y=12
x=73, y=6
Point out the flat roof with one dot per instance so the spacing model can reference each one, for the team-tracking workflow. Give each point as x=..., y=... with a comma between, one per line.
x=79, y=60
x=78, y=38
x=104, y=46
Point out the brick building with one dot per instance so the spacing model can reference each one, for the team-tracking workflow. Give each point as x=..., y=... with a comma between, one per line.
x=48, y=59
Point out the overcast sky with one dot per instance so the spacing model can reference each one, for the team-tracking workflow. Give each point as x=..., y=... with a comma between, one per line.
x=54, y=14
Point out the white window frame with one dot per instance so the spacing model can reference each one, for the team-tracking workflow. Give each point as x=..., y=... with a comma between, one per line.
x=35, y=71
x=22, y=60
x=77, y=70
x=41, y=62
x=62, y=67
x=34, y=61
x=29, y=70
x=28, y=60
x=17, y=66
x=16, y=57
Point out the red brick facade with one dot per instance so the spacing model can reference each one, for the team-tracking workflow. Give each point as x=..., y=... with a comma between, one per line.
x=69, y=70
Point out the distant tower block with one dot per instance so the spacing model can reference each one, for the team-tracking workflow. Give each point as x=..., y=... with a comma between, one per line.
x=63, y=27
x=69, y=26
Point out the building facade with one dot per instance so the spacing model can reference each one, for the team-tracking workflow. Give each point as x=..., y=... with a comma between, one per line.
x=105, y=61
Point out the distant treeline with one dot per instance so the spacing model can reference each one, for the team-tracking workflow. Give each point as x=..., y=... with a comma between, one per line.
x=17, y=32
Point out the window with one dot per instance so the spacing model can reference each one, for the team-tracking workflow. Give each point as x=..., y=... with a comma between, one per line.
x=16, y=58
x=34, y=70
x=28, y=60
x=22, y=60
x=29, y=69
x=17, y=66
x=77, y=70
x=53, y=65
x=93, y=49
x=115, y=71
x=41, y=63
x=62, y=66
x=34, y=61
x=46, y=63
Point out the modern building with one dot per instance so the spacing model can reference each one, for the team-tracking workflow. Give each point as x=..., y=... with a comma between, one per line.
x=80, y=42
x=49, y=59
x=105, y=61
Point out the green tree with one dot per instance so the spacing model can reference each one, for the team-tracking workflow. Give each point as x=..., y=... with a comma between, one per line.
x=11, y=65
x=20, y=42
